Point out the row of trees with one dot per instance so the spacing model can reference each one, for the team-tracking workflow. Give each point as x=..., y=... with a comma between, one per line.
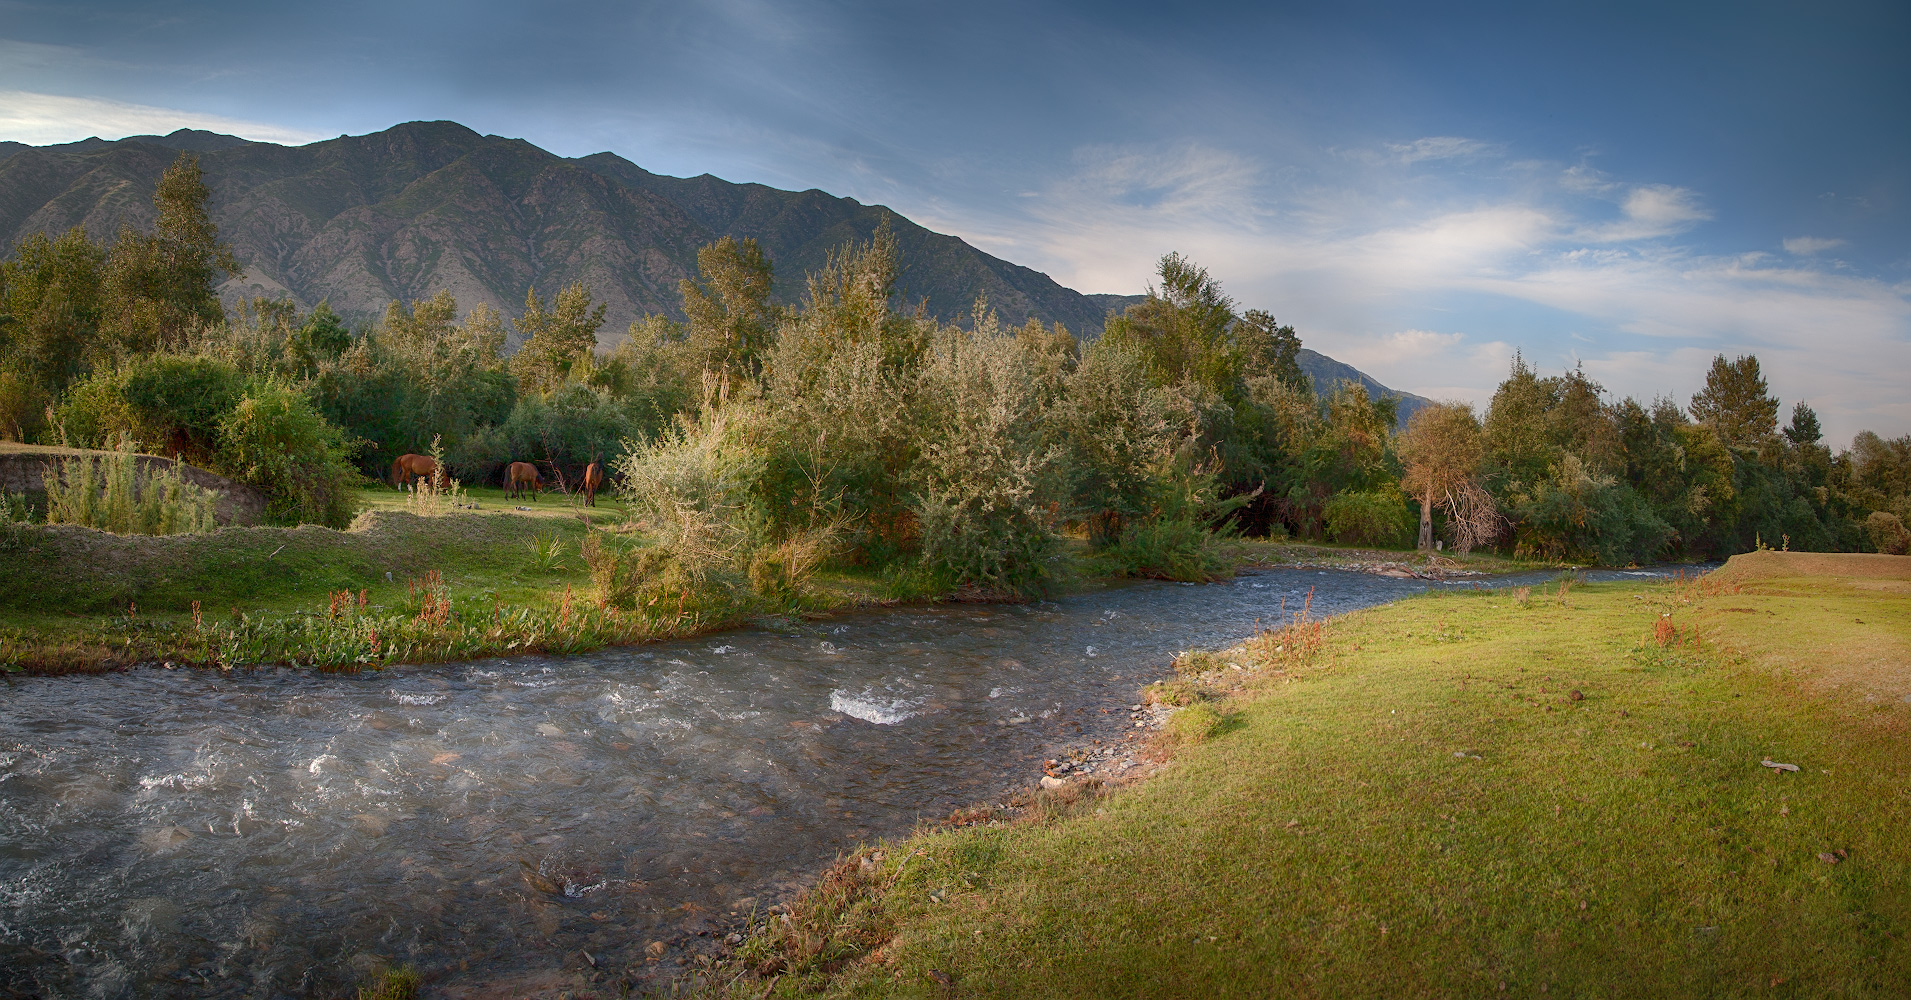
x=955, y=450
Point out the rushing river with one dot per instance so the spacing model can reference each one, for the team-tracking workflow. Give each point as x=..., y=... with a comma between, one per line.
x=280, y=833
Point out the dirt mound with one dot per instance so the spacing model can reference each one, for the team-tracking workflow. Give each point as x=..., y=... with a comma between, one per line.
x=1848, y=565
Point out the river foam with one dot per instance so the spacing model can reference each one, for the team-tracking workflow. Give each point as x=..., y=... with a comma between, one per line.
x=872, y=708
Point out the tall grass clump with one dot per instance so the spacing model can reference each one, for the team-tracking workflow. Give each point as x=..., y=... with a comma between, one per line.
x=115, y=493
x=438, y=493
x=15, y=514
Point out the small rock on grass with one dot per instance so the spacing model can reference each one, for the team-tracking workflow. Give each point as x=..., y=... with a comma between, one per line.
x=1828, y=857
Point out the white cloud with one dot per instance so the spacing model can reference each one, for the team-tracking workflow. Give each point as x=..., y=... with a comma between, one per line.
x=1439, y=147
x=1651, y=211
x=41, y=119
x=1805, y=246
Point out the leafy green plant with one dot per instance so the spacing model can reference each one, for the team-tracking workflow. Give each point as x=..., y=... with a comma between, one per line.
x=15, y=515
x=547, y=553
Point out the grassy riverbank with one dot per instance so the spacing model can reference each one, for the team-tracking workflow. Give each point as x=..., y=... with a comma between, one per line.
x=1464, y=794
x=510, y=573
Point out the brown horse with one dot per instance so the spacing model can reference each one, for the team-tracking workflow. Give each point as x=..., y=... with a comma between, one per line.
x=409, y=468
x=521, y=476
x=593, y=481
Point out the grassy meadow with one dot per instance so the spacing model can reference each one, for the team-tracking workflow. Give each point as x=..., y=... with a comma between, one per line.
x=1550, y=791
x=81, y=599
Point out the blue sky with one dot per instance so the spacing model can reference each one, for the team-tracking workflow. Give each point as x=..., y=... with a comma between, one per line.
x=1421, y=189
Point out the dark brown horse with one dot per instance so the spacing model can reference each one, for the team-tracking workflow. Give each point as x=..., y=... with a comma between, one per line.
x=521, y=476
x=409, y=468
x=593, y=481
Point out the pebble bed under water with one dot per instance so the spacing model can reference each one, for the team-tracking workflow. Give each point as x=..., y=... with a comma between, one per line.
x=539, y=820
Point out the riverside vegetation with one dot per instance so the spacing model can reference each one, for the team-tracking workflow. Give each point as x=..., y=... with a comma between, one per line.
x=1560, y=790
x=760, y=450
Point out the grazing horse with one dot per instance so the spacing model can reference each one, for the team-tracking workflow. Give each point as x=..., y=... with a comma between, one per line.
x=408, y=468
x=593, y=481
x=521, y=476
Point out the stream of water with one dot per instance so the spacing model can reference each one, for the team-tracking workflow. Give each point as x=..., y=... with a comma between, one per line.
x=281, y=833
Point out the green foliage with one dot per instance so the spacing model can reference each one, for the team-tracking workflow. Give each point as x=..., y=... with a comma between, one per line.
x=1887, y=533
x=1803, y=429
x=987, y=482
x=555, y=339
x=275, y=439
x=1368, y=517
x=160, y=288
x=570, y=427
x=120, y=494
x=402, y=983
x=1575, y=515
x=16, y=513
x=1734, y=402
x=732, y=322
x=419, y=374
x=50, y=302
x=938, y=455
x=547, y=553
x=1270, y=349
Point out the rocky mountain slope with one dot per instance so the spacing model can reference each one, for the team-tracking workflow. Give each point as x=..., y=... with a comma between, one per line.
x=403, y=213
x=425, y=206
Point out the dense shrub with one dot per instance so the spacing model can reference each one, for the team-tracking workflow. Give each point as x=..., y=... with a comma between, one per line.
x=1573, y=515
x=986, y=484
x=569, y=429
x=169, y=403
x=276, y=440
x=1887, y=533
x=1368, y=517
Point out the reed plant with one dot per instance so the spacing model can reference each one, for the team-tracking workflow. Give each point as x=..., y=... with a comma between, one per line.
x=15, y=514
x=437, y=493
x=114, y=493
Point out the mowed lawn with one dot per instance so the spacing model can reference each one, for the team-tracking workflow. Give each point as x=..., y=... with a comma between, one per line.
x=1470, y=795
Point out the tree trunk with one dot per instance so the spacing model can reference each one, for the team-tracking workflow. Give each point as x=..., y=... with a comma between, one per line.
x=1426, y=522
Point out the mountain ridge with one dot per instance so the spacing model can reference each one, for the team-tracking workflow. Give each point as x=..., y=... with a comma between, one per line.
x=427, y=206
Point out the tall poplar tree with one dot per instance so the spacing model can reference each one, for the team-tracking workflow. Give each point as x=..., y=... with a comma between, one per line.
x=162, y=286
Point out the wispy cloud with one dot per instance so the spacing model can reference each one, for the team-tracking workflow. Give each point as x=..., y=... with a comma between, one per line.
x=1431, y=288
x=40, y=119
x=1805, y=246
x=1440, y=147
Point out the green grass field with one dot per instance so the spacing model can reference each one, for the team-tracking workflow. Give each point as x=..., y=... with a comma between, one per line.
x=79, y=599
x=1466, y=794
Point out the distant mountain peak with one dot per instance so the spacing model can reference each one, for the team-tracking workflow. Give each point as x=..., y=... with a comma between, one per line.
x=195, y=140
